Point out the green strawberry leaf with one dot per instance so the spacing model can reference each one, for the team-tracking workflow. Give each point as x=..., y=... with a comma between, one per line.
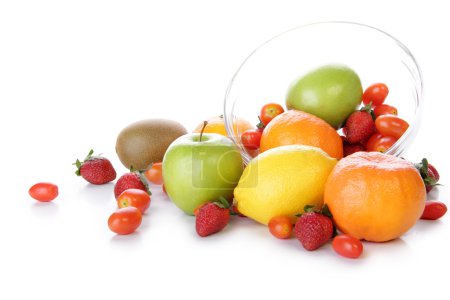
x=308, y=208
x=89, y=155
x=326, y=211
x=422, y=167
x=222, y=202
x=368, y=108
x=143, y=179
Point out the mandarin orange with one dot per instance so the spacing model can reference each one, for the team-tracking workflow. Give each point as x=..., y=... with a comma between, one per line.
x=300, y=128
x=374, y=196
x=217, y=125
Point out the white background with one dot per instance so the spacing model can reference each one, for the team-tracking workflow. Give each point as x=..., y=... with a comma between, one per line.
x=74, y=73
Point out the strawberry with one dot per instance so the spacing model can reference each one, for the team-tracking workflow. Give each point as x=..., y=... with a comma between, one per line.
x=433, y=210
x=313, y=228
x=131, y=180
x=352, y=148
x=95, y=169
x=359, y=125
x=212, y=217
x=429, y=174
x=434, y=173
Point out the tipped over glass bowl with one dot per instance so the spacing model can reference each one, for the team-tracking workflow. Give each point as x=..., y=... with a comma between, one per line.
x=376, y=56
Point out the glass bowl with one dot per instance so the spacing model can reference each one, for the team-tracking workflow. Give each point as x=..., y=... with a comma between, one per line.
x=376, y=56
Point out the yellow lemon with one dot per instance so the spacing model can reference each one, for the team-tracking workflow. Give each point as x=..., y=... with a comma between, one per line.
x=282, y=180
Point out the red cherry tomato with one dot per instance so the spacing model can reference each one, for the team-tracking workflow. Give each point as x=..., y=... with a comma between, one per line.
x=251, y=139
x=44, y=191
x=380, y=143
x=134, y=197
x=125, y=220
x=384, y=109
x=347, y=246
x=376, y=93
x=371, y=141
x=281, y=227
x=433, y=210
x=236, y=211
x=270, y=111
x=154, y=174
x=390, y=125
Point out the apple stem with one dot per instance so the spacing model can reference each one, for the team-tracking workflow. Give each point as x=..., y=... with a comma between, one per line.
x=203, y=129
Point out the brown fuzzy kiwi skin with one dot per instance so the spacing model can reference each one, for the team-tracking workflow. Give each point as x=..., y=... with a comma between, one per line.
x=145, y=142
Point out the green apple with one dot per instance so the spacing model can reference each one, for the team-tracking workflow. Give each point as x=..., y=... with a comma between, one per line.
x=331, y=92
x=197, y=171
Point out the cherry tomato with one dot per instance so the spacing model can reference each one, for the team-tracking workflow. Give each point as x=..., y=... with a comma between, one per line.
x=433, y=210
x=371, y=141
x=154, y=174
x=136, y=198
x=236, y=211
x=125, y=220
x=376, y=93
x=347, y=246
x=270, y=111
x=380, y=143
x=384, y=109
x=251, y=139
x=44, y=191
x=390, y=125
x=281, y=227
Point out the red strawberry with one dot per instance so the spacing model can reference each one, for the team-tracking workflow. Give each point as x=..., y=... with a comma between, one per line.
x=131, y=180
x=352, y=148
x=313, y=229
x=359, y=126
x=429, y=174
x=434, y=177
x=95, y=169
x=212, y=217
x=433, y=210
x=432, y=170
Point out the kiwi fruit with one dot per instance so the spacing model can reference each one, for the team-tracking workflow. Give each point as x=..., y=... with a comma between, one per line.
x=145, y=142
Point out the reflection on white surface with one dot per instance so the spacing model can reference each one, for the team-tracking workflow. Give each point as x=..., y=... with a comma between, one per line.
x=44, y=209
x=98, y=195
x=130, y=240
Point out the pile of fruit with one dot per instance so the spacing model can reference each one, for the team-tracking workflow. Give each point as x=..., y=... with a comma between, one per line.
x=317, y=173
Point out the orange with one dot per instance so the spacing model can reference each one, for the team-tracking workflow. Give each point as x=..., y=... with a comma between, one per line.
x=301, y=128
x=374, y=196
x=217, y=125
